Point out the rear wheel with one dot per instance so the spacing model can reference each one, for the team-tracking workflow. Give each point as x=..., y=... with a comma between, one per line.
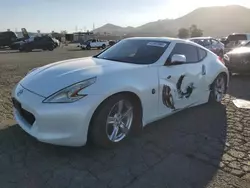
x=50, y=48
x=113, y=121
x=218, y=89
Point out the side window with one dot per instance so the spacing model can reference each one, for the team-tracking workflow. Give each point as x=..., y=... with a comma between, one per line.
x=188, y=50
x=202, y=53
x=94, y=40
x=214, y=42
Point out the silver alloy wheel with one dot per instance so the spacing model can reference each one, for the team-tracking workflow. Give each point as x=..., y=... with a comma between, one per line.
x=119, y=120
x=219, y=88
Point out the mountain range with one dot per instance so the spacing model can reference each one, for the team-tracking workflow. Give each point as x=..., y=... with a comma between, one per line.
x=214, y=21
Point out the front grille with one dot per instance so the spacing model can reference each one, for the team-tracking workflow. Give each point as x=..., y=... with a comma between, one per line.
x=29, y=117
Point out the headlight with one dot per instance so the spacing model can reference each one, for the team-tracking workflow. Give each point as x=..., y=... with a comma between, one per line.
x=226, y=57
x=71, y=93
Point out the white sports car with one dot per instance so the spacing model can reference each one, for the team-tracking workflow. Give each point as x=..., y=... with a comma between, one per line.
x=127, y=86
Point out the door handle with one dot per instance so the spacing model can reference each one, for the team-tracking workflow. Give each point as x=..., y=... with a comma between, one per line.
x=203, y=71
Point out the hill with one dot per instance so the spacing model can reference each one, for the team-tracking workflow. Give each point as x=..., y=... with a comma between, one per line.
x=110, y=28
x=214, y=21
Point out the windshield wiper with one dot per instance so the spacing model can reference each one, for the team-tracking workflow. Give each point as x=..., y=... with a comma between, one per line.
x=110, y=59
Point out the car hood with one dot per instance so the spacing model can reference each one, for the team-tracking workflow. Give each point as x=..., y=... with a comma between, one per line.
x=239, y=50
x=51, y=78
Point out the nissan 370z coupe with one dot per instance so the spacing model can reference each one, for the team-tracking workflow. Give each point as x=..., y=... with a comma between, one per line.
x=127, y=86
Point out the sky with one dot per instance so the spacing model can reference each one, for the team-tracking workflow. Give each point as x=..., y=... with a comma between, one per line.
x=81, y=15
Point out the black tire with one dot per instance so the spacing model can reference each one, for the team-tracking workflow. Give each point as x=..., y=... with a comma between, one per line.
x=50, y=48
x=103, y=46
x=88, y=47
x=212, y=96
x=97, y=131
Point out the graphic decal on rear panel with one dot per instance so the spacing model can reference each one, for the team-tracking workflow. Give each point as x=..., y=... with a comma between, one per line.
x=168, y=94
x=167, y=97
x=188, y=91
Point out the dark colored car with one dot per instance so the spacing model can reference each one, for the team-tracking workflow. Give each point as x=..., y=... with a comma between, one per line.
x=210, y=43
x=7, y=38
x=10, y=39
x=238, y=60
x=38, y=42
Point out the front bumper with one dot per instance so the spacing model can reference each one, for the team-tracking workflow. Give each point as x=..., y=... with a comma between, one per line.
x=83, y=46
x=238, y=65
x=60, y=124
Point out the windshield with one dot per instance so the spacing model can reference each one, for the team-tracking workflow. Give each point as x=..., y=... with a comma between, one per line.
x=135, y=51
x=235, y=40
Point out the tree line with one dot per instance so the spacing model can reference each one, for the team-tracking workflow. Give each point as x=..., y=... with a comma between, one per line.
x=192, y=31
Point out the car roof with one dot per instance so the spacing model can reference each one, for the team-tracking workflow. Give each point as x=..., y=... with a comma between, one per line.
x=166, y=39
x=163, y=39
x=200, y=38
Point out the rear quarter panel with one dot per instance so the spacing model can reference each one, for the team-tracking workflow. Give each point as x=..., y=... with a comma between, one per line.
x=214, y=67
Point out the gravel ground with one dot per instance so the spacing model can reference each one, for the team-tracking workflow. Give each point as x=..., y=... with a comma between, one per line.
x=206, y=146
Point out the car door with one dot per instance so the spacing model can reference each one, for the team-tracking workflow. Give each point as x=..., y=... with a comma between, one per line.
x=94, y=43
x=37, y=44
x=181, y=84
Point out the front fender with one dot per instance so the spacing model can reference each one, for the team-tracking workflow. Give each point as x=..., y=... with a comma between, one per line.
x=140, y=81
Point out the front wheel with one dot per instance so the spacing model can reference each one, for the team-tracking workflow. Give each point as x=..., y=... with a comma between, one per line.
x=103, y=46
x=88, y=47
x=113, y=122
x=218, y=89
x=50, y=48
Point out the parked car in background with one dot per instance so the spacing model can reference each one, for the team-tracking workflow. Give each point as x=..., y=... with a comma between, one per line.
x=238, y=59
x=10, y=39
x=38, y=42
x=7, y=38
x=210, y=43
x=234, y=40
x=122, y=89
x=94, y=43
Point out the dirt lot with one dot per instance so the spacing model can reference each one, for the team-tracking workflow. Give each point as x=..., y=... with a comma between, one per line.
x=207, y=146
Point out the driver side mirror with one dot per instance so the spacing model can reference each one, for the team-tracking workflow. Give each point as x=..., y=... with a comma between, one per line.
x=178, y=59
